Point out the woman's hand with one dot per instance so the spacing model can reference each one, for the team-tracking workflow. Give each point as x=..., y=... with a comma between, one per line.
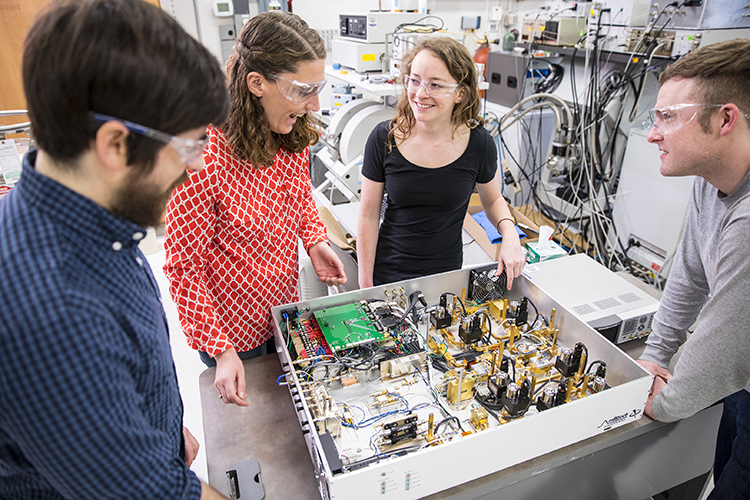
x=512, y=257
x=328, y=266
x=230, y=378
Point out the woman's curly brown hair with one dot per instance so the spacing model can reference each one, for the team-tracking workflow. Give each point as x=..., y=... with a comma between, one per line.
x=270, y=43
x=460, y=66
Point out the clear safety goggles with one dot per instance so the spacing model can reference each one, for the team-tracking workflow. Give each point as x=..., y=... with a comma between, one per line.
x=298, y=92
x=672, y=118
x=188, y=149
x=433, y=89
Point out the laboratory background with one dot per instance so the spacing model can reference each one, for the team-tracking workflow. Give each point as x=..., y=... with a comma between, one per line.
x=566, y=88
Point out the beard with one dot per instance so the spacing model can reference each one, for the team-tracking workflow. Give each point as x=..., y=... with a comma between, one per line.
x=142, y=203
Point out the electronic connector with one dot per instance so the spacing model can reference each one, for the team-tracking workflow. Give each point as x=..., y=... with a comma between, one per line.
x=552, y=395
x=440, y=317
x=517, y=398
x=569, y=360
x=400, y=430
x=470, y=329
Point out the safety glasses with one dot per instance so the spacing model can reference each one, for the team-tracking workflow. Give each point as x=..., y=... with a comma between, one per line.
x=298, y=92
x=672, y=118
x=433, y=89
x=188, y=149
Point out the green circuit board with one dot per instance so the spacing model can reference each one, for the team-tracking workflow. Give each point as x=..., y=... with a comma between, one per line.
x=347, y=326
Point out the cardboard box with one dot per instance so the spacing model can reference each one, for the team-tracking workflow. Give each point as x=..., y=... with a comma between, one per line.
x=480, y=236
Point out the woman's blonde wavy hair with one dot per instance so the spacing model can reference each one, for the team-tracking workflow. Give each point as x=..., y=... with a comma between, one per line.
x=460, y=66
x=270, y=43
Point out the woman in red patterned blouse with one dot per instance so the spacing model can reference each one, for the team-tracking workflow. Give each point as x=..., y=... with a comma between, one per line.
x=233, y=228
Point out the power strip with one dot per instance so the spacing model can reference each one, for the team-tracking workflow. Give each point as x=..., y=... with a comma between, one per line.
x=509, y=177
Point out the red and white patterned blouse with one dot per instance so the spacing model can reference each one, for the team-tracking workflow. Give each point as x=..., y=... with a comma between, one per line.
x=232, y=245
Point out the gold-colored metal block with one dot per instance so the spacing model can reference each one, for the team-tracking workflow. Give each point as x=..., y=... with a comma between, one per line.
x=479, y=418
x=498, y=309
x=467, y=385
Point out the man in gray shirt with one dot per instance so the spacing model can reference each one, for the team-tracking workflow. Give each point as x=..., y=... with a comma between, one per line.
x=702, y=127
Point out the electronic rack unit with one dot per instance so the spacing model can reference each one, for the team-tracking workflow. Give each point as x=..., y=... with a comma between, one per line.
x=408, y=389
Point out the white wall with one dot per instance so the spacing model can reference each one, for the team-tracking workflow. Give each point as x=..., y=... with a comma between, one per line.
x=208, y=24
x=198, y=19
x=184, y=12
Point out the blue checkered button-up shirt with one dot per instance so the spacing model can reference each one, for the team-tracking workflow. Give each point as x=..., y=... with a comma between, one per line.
x=89, y=403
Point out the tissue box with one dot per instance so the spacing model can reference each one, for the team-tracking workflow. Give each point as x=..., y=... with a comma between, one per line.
x=534, y=254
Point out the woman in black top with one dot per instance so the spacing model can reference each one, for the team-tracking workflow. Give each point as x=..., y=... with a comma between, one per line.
x=428, y=159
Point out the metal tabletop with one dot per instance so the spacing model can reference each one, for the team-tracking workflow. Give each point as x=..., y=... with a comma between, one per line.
x=267, y=430
x=634, y=462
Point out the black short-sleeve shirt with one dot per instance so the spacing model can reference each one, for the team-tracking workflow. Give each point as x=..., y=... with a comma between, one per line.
x=421, y=232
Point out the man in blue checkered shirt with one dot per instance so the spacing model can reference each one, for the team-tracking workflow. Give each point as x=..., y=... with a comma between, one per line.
x=119, y=97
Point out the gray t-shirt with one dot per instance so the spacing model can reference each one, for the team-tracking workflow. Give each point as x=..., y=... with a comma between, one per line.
x=711, y=271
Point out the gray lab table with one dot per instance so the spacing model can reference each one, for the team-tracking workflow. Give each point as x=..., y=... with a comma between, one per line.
x=631, y=462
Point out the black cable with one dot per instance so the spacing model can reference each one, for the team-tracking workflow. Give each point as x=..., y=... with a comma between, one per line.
x=596, y=178
x=539, y=388
x=446, y=421
x=586, y=352
x=552, y=81
x=591, y=365
x=519, y=415
x=376, y=458
x=489, y=322
x=414, y=297
x=368, y=359
x=512, y=365
x=440, y=364
x=459, y=301
x=535, y=310
x=494, y=413
x=530, y=178
x=493, y=408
